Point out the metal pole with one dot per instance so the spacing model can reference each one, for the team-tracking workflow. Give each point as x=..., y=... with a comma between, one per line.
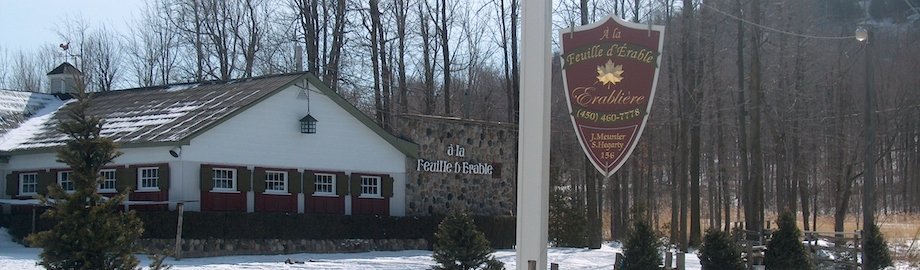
x=869, y=162
x=533, y=134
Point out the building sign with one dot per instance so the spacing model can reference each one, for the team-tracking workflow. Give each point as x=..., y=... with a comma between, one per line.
x=610, y=69
x=461, y=167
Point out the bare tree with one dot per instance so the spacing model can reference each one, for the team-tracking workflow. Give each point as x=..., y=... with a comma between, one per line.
x=429, y=52
x=104, y=58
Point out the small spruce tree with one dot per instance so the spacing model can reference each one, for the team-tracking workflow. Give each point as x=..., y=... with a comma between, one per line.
x=785, y=249
x=90, y=232
x=641, y=248
x=567, y=220
x=877, y=255
x=719, y=252
x=460, y=246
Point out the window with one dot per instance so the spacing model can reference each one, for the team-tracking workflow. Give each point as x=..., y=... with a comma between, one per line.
x=325, y=184
x=148, y=178
x=28, y=184
x=224, y=179
x=65, y=180
x=108, y=181
x=276, y=182
x=370, y=186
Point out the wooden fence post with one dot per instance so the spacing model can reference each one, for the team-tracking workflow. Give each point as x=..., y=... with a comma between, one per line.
x=668, y=257
x=681, y=260
x=180, y=207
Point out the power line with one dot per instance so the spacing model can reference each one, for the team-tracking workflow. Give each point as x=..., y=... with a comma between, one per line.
x=775, y=29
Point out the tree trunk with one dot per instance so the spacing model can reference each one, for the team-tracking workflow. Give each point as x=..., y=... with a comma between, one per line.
x=401, y=15
x=744, y=181
x=515, y=74
x=445, y=54
x=426, y=57
x=332, y=73
x=375, y=60
x=755, y=218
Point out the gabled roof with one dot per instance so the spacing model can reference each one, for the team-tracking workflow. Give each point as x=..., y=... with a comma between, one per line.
x=18, y=106
x=174, y=114
x=65, y=68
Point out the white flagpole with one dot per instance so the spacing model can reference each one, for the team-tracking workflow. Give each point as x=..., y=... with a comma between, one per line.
x=533, y=134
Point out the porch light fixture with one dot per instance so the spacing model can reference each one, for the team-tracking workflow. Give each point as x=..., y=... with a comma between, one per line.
x=308, y=124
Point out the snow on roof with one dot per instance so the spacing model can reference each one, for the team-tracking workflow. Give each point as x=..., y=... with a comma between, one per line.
x=156, y=114
x=17, y=106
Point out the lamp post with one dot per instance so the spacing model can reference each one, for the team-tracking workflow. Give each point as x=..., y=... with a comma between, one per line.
x=863, y=35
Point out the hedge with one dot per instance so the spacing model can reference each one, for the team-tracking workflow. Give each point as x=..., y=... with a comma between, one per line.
x=202, y=225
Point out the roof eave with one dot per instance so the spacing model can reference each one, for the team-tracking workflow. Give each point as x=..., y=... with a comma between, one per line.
x=408, y=148
x=53, y=149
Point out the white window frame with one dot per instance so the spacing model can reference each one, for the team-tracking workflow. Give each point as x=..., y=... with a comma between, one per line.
x=22, y=184
x=371, y=190
x=283, y=181
x=142, y=185
x=102, y=175
x=331, y=185
x=60, y=181
x=232, y=179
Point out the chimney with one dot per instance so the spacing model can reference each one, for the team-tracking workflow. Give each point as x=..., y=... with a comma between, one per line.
x=64, y=79
x=298, y=57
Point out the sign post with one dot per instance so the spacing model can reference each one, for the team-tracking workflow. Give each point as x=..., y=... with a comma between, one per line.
x=610, y=69
x=533, y=135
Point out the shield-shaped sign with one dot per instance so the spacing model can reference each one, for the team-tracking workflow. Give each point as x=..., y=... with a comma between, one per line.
x=610, y=69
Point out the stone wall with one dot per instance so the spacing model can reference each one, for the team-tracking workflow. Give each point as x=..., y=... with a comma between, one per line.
x=463, y=164
x=194, y=248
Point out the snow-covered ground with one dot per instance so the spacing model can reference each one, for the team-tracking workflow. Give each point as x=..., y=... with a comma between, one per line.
x=15, y=256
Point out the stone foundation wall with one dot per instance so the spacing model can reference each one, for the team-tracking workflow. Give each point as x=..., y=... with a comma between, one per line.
x=194, y=248
x=432, y=191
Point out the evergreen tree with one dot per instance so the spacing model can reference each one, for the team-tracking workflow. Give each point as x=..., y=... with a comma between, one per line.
x=785, y=249
x=567, y=221
x=877, y=256
x=719, y=252
x=460, y=246
x=91, y=233
x=641, y=248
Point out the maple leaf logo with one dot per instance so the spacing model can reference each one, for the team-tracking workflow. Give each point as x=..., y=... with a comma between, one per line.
x=610, y=73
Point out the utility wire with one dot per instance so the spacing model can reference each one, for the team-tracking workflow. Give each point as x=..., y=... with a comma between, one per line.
x=775, y=29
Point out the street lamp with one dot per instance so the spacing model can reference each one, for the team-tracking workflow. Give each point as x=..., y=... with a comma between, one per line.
x=863, y=35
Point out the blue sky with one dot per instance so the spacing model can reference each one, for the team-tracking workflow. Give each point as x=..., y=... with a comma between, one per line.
x=28, y=24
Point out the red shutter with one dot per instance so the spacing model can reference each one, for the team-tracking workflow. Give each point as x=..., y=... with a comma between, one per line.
x=258, y=180
x=294, y=180
x=206, y=177
x=386, y=186
x=12, y=184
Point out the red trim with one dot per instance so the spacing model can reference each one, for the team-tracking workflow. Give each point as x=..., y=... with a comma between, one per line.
x=273, y=169
x=225, y=166
x=324, y=172
x=147, y=165
x=216, y=201
x=371, y=174
x=325, y=205
x=275, y=203
x=370, y=206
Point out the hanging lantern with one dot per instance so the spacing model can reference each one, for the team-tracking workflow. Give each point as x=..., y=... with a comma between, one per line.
x=308, y=124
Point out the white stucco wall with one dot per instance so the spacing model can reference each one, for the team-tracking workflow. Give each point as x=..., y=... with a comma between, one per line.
x=269, y=134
